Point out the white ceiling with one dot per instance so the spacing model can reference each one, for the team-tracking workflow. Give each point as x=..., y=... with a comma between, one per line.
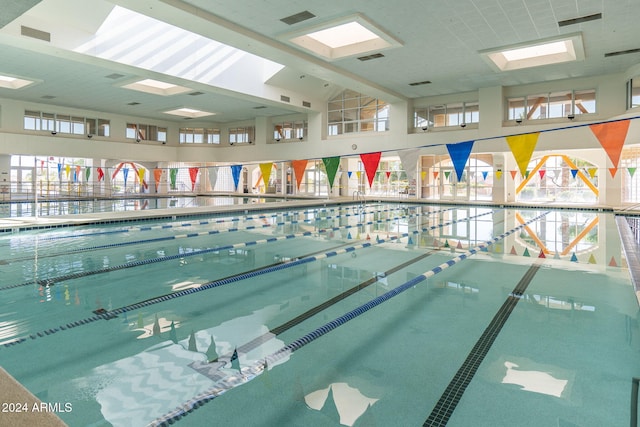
x=440, y=42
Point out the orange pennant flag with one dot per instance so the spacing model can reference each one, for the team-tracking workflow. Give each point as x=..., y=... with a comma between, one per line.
x=513, y=174
x=613, y=171
x=299, y=167
x=611, y=136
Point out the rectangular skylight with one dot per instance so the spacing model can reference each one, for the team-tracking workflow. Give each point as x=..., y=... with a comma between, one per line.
x=189, y=112
x=351, y=35
x=156, y=87
x=343, y=35
x=535, y=54
x=9, y=82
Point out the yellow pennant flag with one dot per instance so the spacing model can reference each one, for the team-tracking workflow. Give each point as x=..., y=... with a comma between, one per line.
x=592, y=172
x=522, y=147
x=141, y=174
x=265, y=168
x=498, y=174
x=423, y=174
x=358, y=173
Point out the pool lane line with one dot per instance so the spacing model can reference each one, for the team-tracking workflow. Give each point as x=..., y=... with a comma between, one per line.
x=254, y=343
x=188, y=235
x=447, y=403
x=52, y=281
x=256, y=369
x=110, y=314
x=190, y=224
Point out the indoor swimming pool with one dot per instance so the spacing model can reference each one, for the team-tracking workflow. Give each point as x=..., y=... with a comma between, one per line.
x=386, y=314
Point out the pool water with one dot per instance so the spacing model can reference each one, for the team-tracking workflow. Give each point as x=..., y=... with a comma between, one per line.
x=130, y=322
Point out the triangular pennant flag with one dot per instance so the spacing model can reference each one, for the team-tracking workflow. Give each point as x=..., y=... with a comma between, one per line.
x=78, y=170
x=484, y=175
x=613, y=171
x=371, y=162
x=173, y=174
x=156, y=326
x=513, y=251
x=141, y=174
x=574, y=258
x=542, y=255
x=299, y=167
x=611, y=136
x=349, y=173
x=446, y=243
x=331, y=166
x=67, y=170
x=435, y=175
x=459, y=245
x=631, y=171
x=513, y=174
x=541, y=172
x=213, y=177
x=410, y=241
x=358, y=174
x=157, y=174
x=526, y=252
x=522, y=148
x=100, y=174
x=499, y=174
x=409, y=159
x=574, y=172
x=592, y=172
x=459, y=154
x=388, y=174
x=172, y=333
x=212, y=354
x=125, y=174
x=349, y=236
x=592, y=259
x=265, y=168
x=235, y=172
x=193, y=175
x=87, y=173
x=613, y=263
x=446, y=174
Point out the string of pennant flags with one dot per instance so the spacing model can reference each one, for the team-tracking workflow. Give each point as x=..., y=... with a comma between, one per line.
x=611, y=136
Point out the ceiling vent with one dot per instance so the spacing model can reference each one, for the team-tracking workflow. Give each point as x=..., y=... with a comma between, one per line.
x=580, y=20
x=196, y=93
x=621, y=52
x=260, y=107
x=285, y=98
x=298, y=17
x=35, y=34
x=114, y=76
x=426, y=82
x=133, y=103
x=370, y=57
x=306, y=104
x=48, y=97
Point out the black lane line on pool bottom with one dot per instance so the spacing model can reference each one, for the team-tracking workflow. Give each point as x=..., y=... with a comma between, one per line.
x=245, y=348
x=453, y=393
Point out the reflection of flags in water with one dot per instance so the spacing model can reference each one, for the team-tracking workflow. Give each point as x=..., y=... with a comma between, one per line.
x=235, y=362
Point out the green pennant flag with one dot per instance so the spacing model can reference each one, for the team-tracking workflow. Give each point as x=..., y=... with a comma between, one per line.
x=87, y=173
x=173, y=174
x=631, y=171
x=331, y=166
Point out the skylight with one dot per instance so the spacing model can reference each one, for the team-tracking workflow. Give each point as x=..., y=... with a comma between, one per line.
x=189, y=112
x=343, y=35
x=535, y=54
x=352, y=35
x=156, y=87
x=9, y=82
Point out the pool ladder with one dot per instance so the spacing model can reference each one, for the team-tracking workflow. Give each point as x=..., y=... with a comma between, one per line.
x=359, y=196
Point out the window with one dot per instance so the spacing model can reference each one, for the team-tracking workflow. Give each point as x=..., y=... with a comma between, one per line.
x=551, y=105
x=633, y=93
x=453, y=114
x=352, y=112
x=290, y=131
x=62, y=123
x=199, y=136
x=142, y=132
x=241, y=135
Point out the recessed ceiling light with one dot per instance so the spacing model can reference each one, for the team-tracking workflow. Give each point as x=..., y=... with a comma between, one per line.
x=534, y=54
x=348, y=36
x=156, y=87
x=189, y=112
x=9, y=82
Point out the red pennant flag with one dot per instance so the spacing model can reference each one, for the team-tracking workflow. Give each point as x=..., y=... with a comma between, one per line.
x=193, y=174
x=388, y=174
x=100, y=174
x=541, y=172
x=371, y=162
x=513, y=174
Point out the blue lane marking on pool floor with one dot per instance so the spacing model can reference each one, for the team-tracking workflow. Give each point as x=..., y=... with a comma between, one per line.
x=447, y=403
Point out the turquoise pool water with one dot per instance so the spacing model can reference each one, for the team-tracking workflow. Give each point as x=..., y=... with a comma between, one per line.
x=137, y=324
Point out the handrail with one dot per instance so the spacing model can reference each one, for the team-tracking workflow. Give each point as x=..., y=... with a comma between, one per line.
x=635, y=382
